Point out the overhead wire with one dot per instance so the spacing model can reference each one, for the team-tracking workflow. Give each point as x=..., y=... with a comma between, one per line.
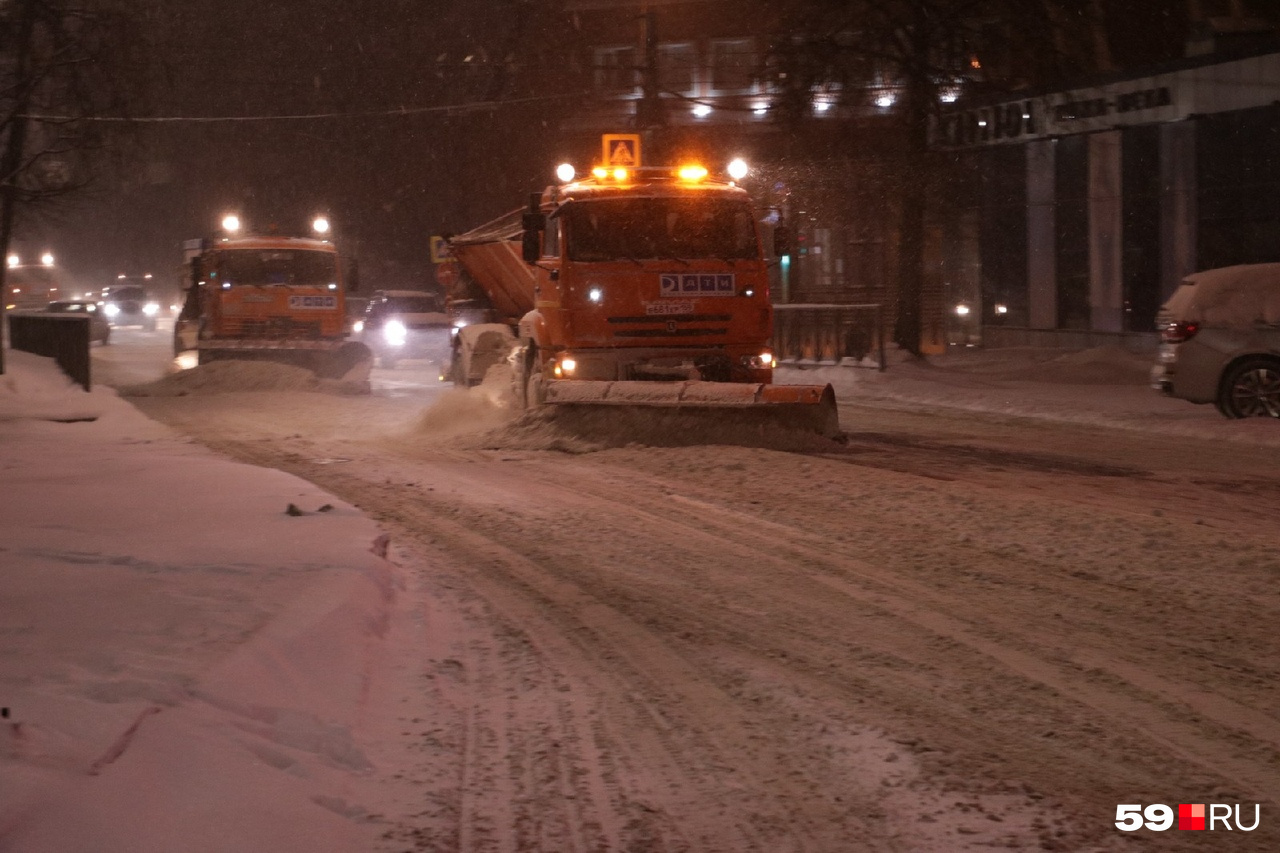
x=474, y=106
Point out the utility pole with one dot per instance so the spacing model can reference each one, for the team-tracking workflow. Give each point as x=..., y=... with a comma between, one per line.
x=650, y=112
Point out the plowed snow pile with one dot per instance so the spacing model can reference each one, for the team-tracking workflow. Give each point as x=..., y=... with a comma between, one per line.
x=220, y=377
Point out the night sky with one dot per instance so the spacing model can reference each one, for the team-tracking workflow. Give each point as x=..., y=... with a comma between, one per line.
x=388, y=180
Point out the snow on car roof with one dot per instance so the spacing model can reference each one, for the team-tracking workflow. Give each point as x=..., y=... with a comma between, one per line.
x=1241, y=295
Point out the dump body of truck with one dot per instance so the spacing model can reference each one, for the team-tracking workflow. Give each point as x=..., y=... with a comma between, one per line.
x=269, y=298
x=653, y=280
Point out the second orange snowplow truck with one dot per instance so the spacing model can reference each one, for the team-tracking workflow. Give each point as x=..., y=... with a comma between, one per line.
x=638, y=287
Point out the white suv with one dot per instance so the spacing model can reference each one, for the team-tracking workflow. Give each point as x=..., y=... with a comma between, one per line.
x=1220, y=341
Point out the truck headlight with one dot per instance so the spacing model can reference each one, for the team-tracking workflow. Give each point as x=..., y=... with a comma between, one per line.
x=151, y=309
x=395, y=333
x=763, y=361
x=358, y=326
x=565, y=366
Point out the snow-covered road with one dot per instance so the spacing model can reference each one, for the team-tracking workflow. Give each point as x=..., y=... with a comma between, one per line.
x=1023, y=591
x=969, y=626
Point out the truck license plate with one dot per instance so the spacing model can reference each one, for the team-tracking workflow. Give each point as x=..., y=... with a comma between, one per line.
x=664, y=309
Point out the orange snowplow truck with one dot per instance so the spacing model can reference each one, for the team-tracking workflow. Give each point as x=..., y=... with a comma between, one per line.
x=269, y=298
x=635, y=286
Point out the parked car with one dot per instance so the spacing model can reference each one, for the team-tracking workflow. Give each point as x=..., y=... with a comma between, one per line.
x=99, y=328
x=400, y=324
x=1220, y=341
x=131, y=305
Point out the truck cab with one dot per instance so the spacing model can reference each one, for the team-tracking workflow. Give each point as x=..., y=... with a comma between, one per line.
x=649, y=278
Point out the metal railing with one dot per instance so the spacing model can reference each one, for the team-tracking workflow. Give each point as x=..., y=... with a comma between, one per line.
x=816, y=334
x=62, y=338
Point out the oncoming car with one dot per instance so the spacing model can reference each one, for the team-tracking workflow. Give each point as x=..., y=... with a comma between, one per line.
x=130, y=305
x=405, y=324
x=99, y=328
x=1220, y=341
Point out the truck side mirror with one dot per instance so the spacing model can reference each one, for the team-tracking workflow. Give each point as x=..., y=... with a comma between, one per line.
x=195, y=274
x=531, y=246
x=783, y=241
x=534, y=222
x=353, y=276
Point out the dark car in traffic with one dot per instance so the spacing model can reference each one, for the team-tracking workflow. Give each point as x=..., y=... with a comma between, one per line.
x=131, y=305
x=99, y=328
x=407, y=324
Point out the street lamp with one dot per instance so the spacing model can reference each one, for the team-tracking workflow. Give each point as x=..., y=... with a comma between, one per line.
x=320, y=225
x=231, y=223
x=47, y=259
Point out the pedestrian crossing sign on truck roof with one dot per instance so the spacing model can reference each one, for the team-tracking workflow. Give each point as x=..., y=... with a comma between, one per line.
x=622, y=150
x=440, y=252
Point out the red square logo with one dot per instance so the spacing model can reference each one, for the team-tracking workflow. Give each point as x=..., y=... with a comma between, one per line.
x=1191, y=816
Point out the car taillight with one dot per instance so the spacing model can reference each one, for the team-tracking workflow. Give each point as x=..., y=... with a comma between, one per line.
x=1176, y=333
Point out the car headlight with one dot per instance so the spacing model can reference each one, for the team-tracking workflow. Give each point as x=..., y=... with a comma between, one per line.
x=151, y=309
x=395, y=333
x=112, y=310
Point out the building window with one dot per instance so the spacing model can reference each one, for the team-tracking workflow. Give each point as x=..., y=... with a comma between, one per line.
x=616, y=71
x=733, y=64
x=678, y=68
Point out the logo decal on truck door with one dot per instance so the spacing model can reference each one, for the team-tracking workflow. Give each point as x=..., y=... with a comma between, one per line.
x=313, y=302
x=696, y=284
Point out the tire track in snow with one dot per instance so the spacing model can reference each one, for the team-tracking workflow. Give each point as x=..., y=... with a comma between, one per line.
x=1138, y=702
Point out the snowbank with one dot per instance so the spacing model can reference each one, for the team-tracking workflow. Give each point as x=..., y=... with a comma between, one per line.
x=187, y=663
x=220, y=377
x=35, y=388
x=1104, y=387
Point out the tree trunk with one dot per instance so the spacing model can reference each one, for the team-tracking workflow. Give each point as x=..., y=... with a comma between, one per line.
x=14, y=148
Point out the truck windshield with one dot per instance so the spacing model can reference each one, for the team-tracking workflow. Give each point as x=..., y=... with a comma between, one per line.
x=427, y=303
x=635, y=228
x=275, y=266
x=128, y=291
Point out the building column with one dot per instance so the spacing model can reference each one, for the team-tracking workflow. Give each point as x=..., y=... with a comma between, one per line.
x=1106, y=224
x=1042, y=275
x=1178, y=214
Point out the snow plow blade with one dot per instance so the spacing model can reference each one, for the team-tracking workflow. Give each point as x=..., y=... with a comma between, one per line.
x=808, y=408
x=348, y=361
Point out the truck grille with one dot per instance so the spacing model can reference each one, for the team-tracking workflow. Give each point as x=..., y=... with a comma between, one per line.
x=273, y=327
x=672, y=326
